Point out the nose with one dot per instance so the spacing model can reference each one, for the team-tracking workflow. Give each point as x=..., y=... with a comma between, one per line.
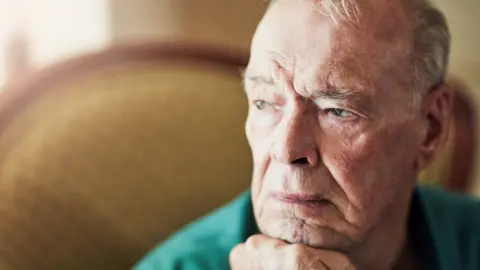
x=294, y=141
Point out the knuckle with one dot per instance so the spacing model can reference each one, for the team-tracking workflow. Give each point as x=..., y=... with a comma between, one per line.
x=238, y=257
x=251, y=241
x=254, y=241
x=236, y=252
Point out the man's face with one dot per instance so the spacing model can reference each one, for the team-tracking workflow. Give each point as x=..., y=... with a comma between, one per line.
x=333, y=132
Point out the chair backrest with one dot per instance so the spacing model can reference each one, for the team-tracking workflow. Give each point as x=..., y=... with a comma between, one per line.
x=103, y=156
x=465, y=141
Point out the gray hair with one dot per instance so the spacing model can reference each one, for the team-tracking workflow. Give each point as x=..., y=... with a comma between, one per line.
x=431, y=46
x=346, y=10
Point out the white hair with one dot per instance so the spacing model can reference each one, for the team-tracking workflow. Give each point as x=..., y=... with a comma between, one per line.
x=431, y=46
x=346, y=10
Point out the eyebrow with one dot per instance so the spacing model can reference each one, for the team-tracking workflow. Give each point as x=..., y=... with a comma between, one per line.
x=362, y=101
x=259, y=79
x=330, y=92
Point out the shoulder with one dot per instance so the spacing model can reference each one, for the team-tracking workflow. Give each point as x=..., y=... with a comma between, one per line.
x=206, y=243
x=455, y=223
x=451, y=207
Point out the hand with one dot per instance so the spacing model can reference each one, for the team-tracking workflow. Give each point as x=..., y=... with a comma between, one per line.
x=261, y=252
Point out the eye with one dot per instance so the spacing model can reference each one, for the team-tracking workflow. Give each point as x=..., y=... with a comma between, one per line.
x=261, y=104
x=340, y=112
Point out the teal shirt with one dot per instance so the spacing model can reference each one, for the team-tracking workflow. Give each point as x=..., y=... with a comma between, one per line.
x=444, y=229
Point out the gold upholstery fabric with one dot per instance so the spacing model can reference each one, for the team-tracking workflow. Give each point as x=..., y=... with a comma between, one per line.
x=96, y=171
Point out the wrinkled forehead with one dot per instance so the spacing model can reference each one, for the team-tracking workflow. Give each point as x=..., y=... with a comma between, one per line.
x=292, y=29
x=298, y=35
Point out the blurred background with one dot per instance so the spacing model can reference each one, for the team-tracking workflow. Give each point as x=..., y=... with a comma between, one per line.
x=91, y=161
x=38, y=33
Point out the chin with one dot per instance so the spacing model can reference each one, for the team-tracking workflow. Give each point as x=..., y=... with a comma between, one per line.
x=297, y=231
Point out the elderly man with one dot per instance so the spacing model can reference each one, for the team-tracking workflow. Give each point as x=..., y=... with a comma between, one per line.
x=347, y=104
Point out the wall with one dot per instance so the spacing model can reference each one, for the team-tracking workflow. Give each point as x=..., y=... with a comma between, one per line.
x=230, y=23
x=61, y=29
x=224, y=22
x=143, y=19
x=35, y=33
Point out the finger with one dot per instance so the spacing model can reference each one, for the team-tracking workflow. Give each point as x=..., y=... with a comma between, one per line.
x=340, y=260
x=260, y=241
x=238, y=256
x=303, y=257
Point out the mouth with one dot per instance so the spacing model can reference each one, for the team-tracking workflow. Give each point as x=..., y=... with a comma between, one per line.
x=300, y=199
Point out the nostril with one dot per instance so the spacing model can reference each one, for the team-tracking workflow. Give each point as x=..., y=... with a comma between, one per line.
x=300, y=161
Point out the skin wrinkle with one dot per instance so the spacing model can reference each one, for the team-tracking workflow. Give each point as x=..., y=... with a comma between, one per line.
x=330, y=92
x=303, y=64
x=350, y=206
x=382, y=38
x=430, y=40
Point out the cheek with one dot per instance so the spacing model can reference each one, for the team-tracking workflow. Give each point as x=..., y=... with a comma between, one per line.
x=348, y=158
x=359, y=164
x=258, y=137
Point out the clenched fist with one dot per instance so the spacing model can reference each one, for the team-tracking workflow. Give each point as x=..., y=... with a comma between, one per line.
x=261, y=252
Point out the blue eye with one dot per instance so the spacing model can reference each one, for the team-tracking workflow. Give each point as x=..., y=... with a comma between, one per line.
x=340, y=112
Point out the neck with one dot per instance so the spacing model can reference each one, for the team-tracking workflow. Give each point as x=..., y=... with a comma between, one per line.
x=387, y=246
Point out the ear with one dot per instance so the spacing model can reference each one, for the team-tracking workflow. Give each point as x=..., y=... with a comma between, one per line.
x=436, y=113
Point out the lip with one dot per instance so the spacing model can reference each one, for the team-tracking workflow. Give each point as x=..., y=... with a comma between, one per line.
x=299, y=198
